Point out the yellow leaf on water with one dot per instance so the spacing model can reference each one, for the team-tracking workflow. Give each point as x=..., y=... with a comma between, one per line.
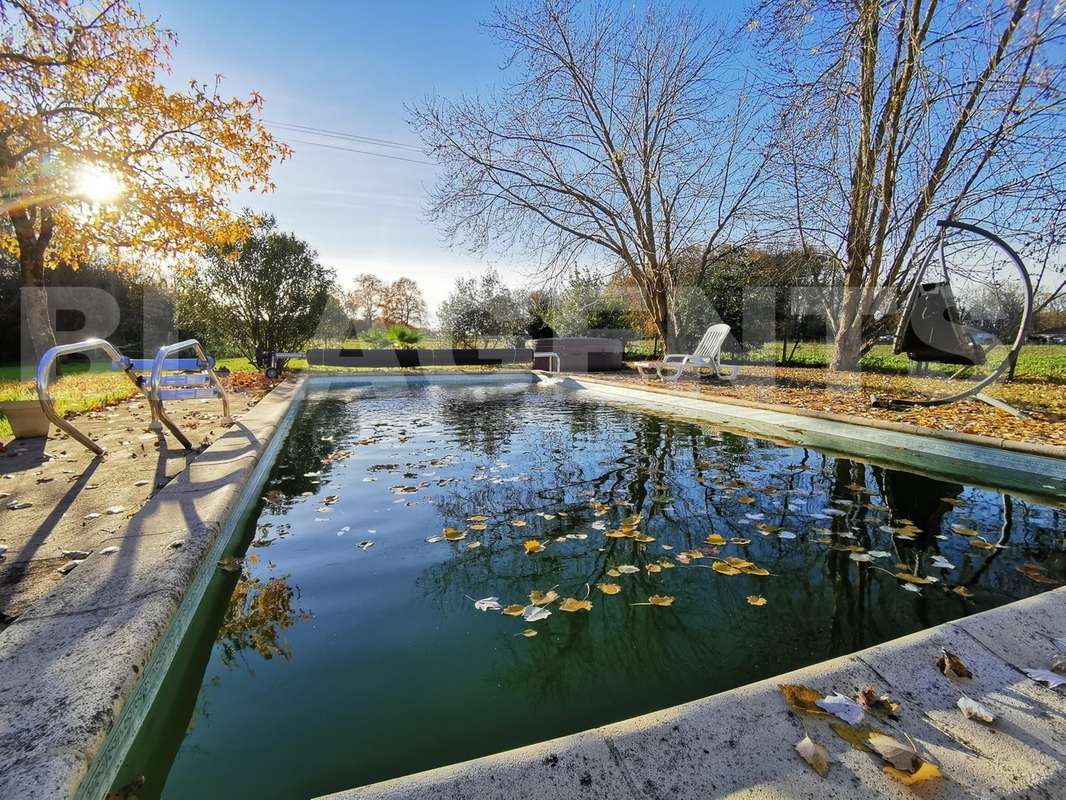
x=477, y=518
x=756, y=600
x=533, y=546
x=529, y=633
x=573, y=604
x=609, y=588
x=513, y=610
x=654, y=568
x=644, y=538
x=981, y=544
x=963, y=531
x=739, y=540
x=543, y=598
x=478, y=526
x=746, y=499
x=962, y=591
x=715, y=539
x=661, y=600
x=910, y=578
x=724, y=569
x=614, y=573
x=755, y=570
x=518, y=523
x=739, y=563
x=453, y=534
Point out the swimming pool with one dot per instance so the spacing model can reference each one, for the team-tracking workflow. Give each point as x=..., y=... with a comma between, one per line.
x=346, y=648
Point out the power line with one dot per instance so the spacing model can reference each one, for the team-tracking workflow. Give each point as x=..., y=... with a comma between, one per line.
x=362, y=152
x=343, y=135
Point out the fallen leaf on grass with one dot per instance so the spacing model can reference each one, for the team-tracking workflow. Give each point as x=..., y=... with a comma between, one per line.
x=609, y=588
x=952, y=666
x=814, y=754
x=572, y=604
x=971, y=709
x=756, y=600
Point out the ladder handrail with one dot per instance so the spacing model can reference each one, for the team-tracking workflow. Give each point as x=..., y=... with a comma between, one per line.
x=44, y=379
x=156, y=399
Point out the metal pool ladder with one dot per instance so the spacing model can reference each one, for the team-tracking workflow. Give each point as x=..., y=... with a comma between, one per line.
x=201, y=383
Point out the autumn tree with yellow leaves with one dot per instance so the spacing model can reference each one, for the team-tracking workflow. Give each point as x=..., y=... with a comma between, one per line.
x=99, y=159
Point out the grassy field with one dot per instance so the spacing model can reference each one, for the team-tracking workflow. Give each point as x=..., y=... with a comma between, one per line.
x=82, y=389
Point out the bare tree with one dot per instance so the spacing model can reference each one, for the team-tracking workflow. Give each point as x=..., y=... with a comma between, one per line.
x=621, y=135
x=902, y=112
x=364, y=298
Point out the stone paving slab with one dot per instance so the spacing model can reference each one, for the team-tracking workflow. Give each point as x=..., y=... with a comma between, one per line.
x=64, y=483
x=70, y=664
x=739, y=744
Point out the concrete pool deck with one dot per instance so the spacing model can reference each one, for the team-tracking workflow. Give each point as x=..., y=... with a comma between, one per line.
x=77, y=669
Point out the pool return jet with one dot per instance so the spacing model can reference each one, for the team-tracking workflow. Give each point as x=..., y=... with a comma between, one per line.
x=931, y=329
x=197, y=379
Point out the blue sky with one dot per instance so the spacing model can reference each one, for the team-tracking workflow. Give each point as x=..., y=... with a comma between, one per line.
x=351, y=67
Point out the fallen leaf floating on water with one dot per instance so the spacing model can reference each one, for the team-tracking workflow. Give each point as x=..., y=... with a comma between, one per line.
x=802, y=698
x=841, y=707
x=746, y=499
x=366, y=544
x=1036, y=572
x=722, y=568
x=952, y=666
x=529, y=633
x=535, y=613
x=814, y=754
x=1052, y=679
x=453, y=534
x=663, y=600
x=654, y=568
x=962, y=591
x=609, y=588
x=971, y=709
x=518, y=523
x=477, y=518
x=488, y=604
x=756, y=600
x=868, y=698
x=738, y=540
x=543, y=598
x=915, y=579
x=434, y=539
x=533, y=546
x=981, y=544
x=963, y=531
x=473, y=545
x=230, y=564
x=572, y=604
x=715, y=539
x=514, y=610
x=626, y=569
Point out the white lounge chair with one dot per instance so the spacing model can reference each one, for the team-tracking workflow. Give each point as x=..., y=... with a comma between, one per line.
x=707, y=355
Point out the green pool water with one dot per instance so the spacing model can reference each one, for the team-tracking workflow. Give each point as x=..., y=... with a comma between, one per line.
x=346, y=648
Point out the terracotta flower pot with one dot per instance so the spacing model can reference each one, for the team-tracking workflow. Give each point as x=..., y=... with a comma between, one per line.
x=26, y=417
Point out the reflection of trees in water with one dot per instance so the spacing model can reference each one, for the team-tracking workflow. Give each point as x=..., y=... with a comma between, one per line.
x=259, y=611
x=483, y=421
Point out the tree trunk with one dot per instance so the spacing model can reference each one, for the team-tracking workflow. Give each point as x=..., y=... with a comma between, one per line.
x=37, y=324
x=847, y=344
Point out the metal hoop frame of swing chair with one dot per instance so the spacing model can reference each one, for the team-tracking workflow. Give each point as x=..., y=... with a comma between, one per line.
x=977, y=390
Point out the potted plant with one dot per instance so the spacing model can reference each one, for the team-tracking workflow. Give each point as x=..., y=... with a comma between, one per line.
x=25, y=415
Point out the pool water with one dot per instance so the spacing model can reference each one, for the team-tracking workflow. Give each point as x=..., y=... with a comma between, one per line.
x=347, y=649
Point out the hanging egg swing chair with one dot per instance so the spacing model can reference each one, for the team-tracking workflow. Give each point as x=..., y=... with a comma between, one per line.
x=931, y=329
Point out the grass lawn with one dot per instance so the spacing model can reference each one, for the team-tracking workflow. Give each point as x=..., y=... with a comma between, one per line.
x=81, y=389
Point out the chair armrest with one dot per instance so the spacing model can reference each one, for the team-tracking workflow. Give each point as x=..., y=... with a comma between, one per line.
x=684, y=357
